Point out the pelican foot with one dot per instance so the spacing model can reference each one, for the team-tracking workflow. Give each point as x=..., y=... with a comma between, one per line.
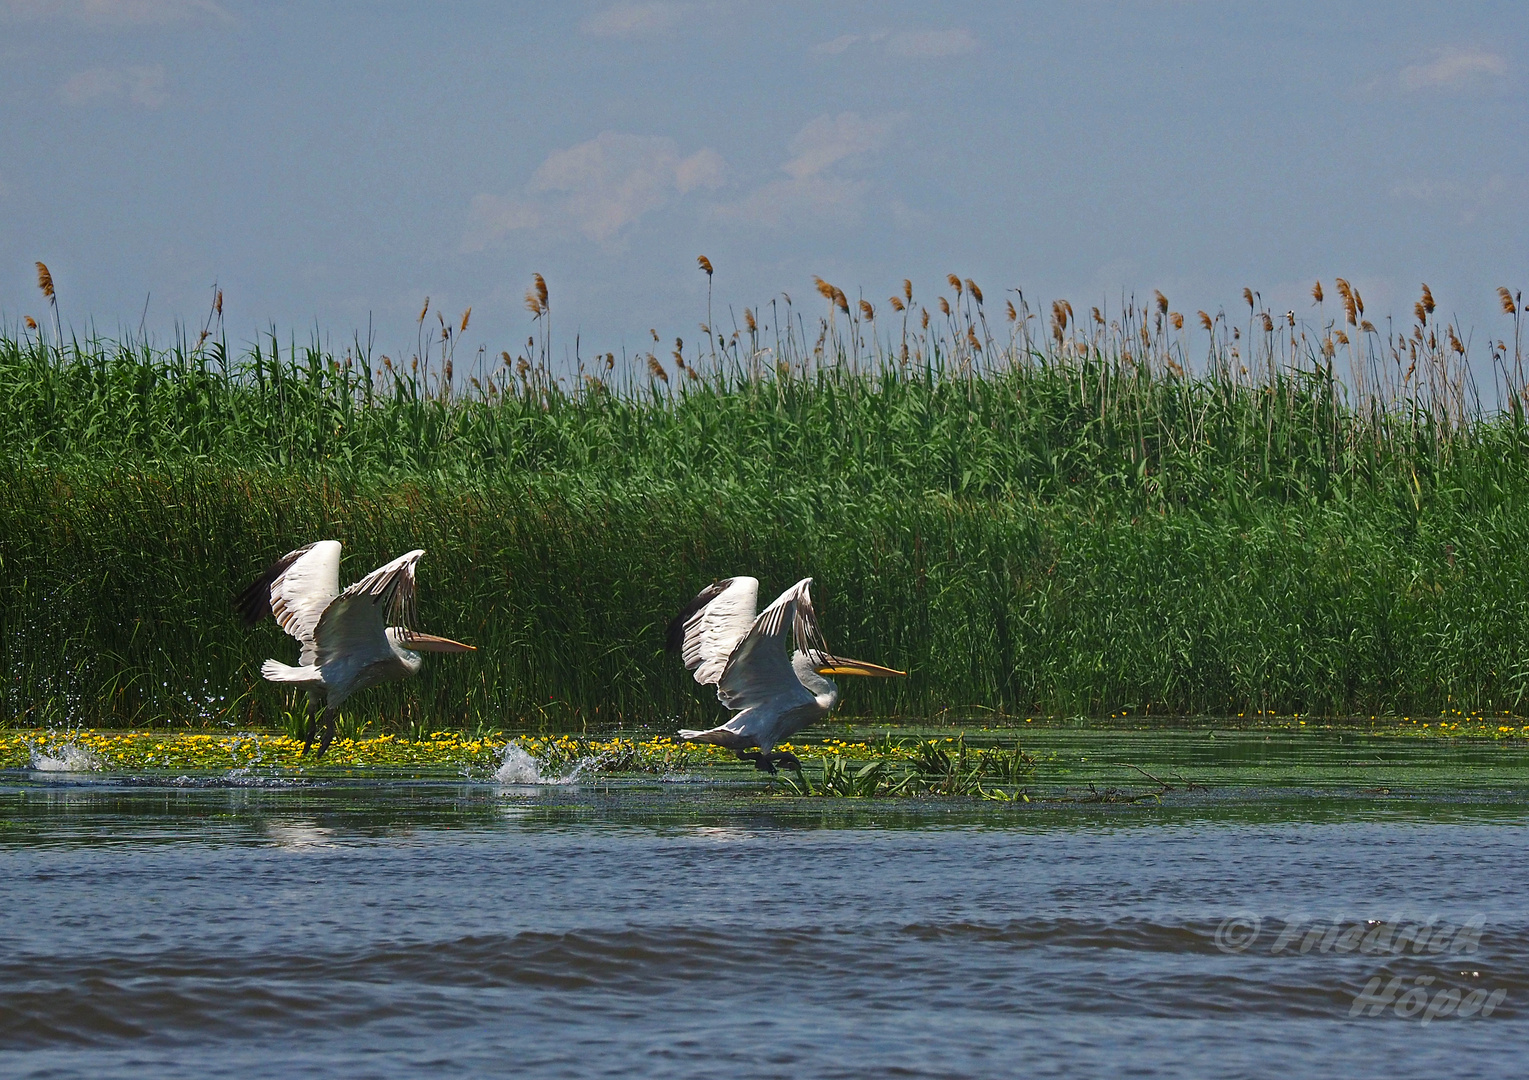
x=787, y=760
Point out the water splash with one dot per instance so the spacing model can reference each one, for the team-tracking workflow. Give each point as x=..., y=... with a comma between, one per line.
x=518, y=766
x=66, y=757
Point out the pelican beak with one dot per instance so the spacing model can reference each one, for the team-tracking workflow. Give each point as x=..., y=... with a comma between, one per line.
x=431, y=643
x=838, y=665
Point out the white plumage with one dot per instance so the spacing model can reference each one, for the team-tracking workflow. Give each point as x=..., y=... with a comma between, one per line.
x=774, y=692
x=349, y=640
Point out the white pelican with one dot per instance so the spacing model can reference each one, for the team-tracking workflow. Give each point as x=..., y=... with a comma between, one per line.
x=773, y=695
x=351, y=639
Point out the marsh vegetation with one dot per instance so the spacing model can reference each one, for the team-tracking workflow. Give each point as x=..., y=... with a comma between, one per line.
x=1034, y=511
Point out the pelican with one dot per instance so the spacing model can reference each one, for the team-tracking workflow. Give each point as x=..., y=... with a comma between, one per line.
x=772, y=695
x=347, y=641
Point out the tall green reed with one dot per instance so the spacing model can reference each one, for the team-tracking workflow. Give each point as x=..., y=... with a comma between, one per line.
x=1055, y=515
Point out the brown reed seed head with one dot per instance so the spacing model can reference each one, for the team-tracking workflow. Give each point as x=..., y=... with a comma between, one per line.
x=955, y=283
x=704, y=263
x=504, y=355
x=1428, y=304
x=825, y=290
x=1509, y=306
x=656, y=369
x=610, y=361
x=748, y=320
x=653, y=332
x=867, y=311
x=45, y=280
x=923, y=317
x=897, y=303
x=541, y=288
x=217, y=303
x=1368, y=327
x=841, y=301
x=1008, y=309
x=1205, y=321
x=424, y=310
x=1420, y=313
x=1316, y=292
x=971, y=287
x=31, y=323
x=1177, y=320
x=468, y=314
x=533, y=303
x=1247, y=294
x=1358, y=302
x=944, y=306
x=1162, y=302
x=971, y=338
x=1454, y=342
x=1268, y=322
x=1341, y=336
x=908, y=290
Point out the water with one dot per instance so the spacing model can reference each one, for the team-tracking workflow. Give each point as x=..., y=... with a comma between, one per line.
x=442, y=928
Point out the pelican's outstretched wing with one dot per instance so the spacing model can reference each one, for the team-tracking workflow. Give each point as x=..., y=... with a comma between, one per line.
x=296, y=589
x=710, y=627
x=759, y=669
x=354, y=625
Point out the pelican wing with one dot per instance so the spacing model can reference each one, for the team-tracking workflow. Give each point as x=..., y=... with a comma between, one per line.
x=712, y=625
x=354, y=625
x=759, y=670
x=296, y=589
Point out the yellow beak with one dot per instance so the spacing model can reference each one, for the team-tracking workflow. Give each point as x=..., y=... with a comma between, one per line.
x=842, y=666
x=431, y=643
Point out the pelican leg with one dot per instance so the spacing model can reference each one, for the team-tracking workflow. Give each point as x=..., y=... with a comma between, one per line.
x=787, y=760
x=761, y=761
x=327, y=722
x=308, y=728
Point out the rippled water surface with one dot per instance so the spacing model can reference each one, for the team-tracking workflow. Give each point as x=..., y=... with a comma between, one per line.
x=443, y=928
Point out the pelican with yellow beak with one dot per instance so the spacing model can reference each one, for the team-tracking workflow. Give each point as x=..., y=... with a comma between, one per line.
x=350, y=640
x=773, y=694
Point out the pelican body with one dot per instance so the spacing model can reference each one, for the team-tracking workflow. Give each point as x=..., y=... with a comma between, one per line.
x=773, y=693
x=350, y=640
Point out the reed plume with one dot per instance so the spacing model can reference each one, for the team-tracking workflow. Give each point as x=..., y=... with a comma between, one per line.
x=45, y=280
x=468, y=314
x=867, y=311
x=1509, y=305
x=976, y=293
x=704, y=263
x=1205, y=321
x=1428, y=304
x=424, y=310
x=955, y=283
x=1316, y=292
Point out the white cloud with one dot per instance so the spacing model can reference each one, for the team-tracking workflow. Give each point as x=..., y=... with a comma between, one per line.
x=144, y=86
x=811, y=188
x=104, y=14
x=905, y=44
x=626, y=19
x=1453, y=67
x=599, y=188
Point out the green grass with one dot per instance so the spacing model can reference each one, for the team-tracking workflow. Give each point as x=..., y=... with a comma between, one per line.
x=1074, y=523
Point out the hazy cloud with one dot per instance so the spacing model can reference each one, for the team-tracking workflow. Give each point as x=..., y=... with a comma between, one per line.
x=632, y=19
x=143, y=86
x=905, y=44
x=105, y=14
x=811, y=187
x=598, y=187
x=931, y=44
x=1453, y=67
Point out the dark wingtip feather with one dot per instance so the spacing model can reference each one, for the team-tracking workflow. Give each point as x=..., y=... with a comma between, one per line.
x=254, y=603
x=674, y=639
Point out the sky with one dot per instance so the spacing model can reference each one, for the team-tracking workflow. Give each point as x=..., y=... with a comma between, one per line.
x=329, y=166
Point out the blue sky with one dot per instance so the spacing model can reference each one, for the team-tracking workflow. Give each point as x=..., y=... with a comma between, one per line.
x=331, y=165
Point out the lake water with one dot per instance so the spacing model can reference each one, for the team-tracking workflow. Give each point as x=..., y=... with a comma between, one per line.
x=158, y=926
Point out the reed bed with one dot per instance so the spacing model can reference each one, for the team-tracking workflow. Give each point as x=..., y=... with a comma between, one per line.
x=1034, y=512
